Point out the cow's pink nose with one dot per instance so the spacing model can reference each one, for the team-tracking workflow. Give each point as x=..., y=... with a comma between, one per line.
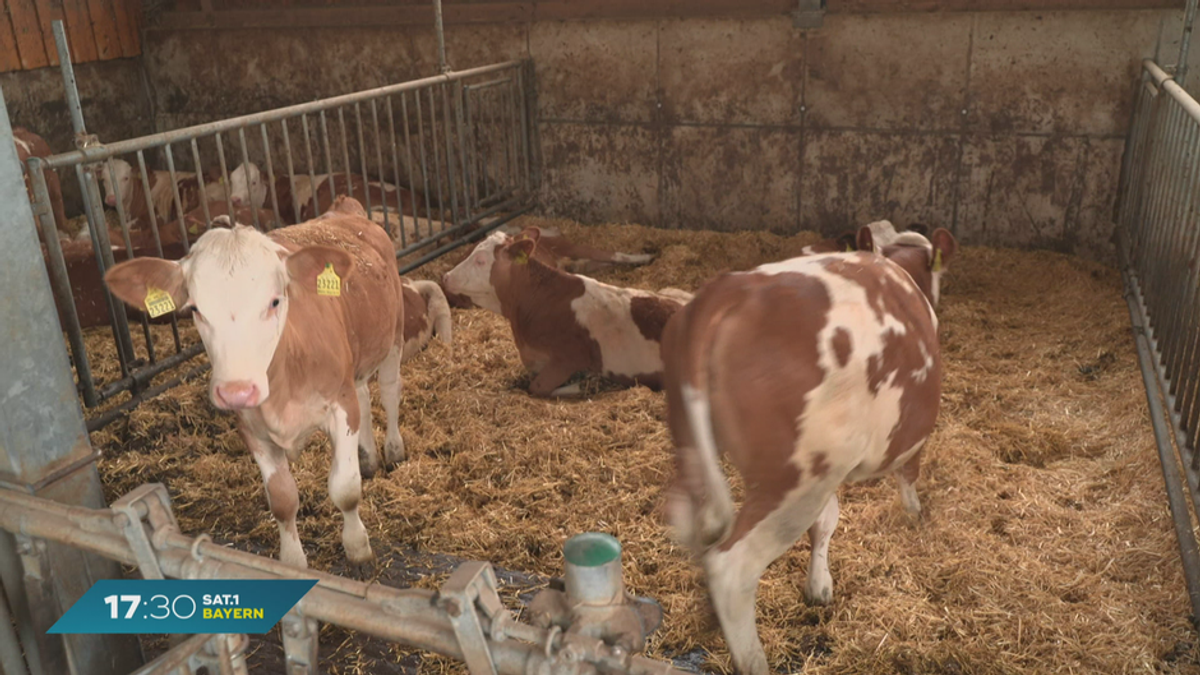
x=237, y=201
x=111, y=200
x=234, y=395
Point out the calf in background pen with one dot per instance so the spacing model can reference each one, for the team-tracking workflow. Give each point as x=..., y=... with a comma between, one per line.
x=248, y=187
x=564, y=323
x=127, y=181
x=29, y=145
x=805, y=374
x=426, y=314
x=294, y=321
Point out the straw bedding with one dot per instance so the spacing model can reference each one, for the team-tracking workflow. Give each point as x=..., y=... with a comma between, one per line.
x=1047, y=545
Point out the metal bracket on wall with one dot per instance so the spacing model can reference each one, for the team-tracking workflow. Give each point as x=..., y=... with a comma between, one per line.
x=471, y=587
x=809, y=14
x=145, y=501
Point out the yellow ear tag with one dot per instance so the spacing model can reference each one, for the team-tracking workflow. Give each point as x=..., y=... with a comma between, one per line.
x=158, y=302
x=849, y=248
x=521, y=258
x=329, y=283
x=937, y=260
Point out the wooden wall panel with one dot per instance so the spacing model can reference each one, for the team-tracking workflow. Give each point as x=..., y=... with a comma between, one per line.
x=29, y=34
x=96, y=30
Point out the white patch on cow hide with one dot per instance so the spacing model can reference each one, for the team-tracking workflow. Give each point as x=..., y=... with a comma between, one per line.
x=605, y=311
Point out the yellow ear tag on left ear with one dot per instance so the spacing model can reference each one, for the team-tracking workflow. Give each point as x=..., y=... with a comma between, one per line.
x=329, y=283
x=158, y=302
x=849, y=248
x=521, y=258
x=937, y=260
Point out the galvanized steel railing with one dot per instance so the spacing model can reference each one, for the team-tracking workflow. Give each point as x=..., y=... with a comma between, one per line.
x=460, y=139
x=1159, y=243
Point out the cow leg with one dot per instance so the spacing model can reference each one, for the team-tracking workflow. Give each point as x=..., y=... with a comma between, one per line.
x=345, y=485
x=548, y=382
x=389, y=391
x=283, y=498
x=819, y=590
x=368, y=453
x=906, y=477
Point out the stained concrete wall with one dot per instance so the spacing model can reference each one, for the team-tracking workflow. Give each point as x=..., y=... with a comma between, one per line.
x=1006, y=127
x=116, y=105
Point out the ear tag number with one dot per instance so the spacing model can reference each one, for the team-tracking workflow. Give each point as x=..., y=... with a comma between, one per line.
x=158, y=302
x=329, y=283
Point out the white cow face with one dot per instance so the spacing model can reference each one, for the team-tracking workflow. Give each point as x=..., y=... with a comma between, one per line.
x=247, y=187
x=121, y=176
x=473, y=276
x=237, y=282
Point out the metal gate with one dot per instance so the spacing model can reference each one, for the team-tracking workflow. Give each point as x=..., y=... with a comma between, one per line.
x=1159, y=244
x=454, y=149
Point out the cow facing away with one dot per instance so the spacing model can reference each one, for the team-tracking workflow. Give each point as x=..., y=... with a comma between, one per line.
x=564, y=323
x=291, y=350
x=883, y=233
x=805, y=374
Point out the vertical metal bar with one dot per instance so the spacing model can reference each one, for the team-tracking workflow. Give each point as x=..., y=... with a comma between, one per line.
x=526, y=185
x=68, y=74
x=396, y=170
x=421, y=152
x=486, y=117
x=183, y=234
x=383, y=173
x=270, y=174
x=451, y=176
x=124, y=224
x=443, y=68
x=312, y=176
x=1160, y=168
x=141, y=158
x=362, y=161
x=437, y=161
x=62, y=283
x=510, y=136
x=102, y=247
x=246, y=163
x=291, y=169
x=225, y=175
x=1185, y=43
x=473, y=149
x=328, y=164
x=1172, y=333
x=345, y=156
x=203, y=188
x=11, y=660
x=1152, y=272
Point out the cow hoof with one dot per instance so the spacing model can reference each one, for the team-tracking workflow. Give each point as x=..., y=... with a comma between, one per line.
x=394, y=451
x=363, y=571
x=819, y=598
x=368, y=466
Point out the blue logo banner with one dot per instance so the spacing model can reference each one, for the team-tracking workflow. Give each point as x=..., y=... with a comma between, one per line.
x=182, y=607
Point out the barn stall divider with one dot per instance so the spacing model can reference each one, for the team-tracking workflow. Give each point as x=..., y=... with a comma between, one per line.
x=1159, y=245
x=448, y=158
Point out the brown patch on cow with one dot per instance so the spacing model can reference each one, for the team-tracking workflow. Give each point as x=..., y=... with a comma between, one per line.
x=651, y=314
x=416, y=319
x=283, y=497
x=916, y=261
x=842, y=346
x=38, y=147
x=536, y=300
x=820, y=465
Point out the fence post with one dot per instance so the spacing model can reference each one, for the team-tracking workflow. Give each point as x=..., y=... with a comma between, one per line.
x=44, y=448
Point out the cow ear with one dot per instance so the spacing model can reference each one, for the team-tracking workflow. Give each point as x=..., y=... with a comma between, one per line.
x=865, y=241
x=304, y=265
x=521, y=250
x=141, y=283
x=531, y=233
x=944, y=248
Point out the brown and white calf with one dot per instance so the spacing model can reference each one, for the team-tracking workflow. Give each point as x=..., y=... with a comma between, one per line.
x=126, y=181
x=564, y=323
x=249, y=187
x=805, y=374
x=29, y=145
x=555, y=250
x=287, y=359
x=426, y=314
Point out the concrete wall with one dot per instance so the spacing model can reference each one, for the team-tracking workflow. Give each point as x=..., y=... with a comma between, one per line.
x=115, y=104
x=1006, y=127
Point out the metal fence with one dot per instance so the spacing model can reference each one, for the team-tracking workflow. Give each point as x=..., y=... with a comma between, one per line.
x=436, y=161
x=465, y=619
x=1159, y=244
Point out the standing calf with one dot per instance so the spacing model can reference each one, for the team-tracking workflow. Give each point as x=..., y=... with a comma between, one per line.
x=288, y=358
x=564, y=323
x=805, y=374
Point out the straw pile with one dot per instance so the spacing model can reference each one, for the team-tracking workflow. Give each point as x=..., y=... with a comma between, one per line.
x=1047, y=545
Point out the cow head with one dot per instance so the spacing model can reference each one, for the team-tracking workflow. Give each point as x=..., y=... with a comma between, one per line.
x=924, y=258
x=246, y=186
x=239, y=284
x=472, y=277
x=117, y=175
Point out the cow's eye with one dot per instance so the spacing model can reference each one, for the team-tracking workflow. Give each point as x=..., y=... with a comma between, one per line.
x=275, y=303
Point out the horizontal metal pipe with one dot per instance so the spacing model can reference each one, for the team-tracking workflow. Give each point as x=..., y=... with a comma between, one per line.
x=102, y=152
x=177, y=656
x=151, y=371
x=109, y=416
x=404, y=269
x=1164, y=81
